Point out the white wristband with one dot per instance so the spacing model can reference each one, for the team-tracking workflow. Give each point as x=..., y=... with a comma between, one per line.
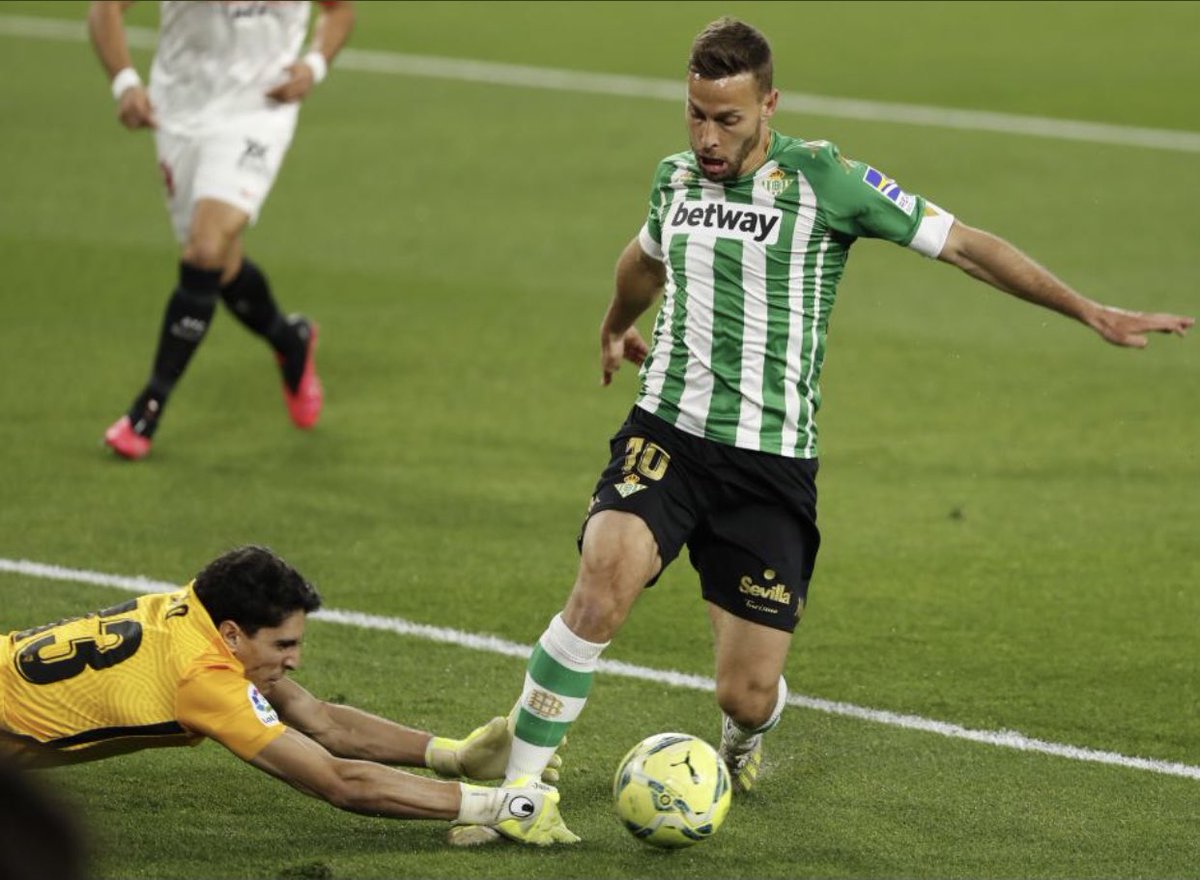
x=479, y=805
x=125, y=80
x=317, y=64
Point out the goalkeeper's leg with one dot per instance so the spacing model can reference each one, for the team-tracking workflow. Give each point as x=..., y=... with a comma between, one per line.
x=619, y=556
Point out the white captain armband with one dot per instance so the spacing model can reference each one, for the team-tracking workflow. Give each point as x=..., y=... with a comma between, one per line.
x=127, y=78
x=932, y=231
x=317, y=64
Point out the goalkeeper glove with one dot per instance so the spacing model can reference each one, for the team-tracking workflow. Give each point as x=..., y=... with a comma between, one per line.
x=482, y=754
x=526, y=811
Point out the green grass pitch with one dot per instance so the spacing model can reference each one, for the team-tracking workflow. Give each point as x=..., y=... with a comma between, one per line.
x=1009, y=505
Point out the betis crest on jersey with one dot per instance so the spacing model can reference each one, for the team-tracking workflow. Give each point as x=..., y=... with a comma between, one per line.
x=683, y=177
x=776, y=183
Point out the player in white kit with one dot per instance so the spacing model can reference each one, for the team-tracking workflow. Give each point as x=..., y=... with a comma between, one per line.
x=224, y=96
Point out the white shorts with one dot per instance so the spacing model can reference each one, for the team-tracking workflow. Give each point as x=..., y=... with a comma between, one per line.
x=235, y=164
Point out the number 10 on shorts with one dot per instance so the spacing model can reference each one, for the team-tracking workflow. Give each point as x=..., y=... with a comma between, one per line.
x=649, y=459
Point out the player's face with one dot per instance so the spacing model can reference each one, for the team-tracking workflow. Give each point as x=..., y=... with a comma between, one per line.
x=272, y=652
x=728, y=124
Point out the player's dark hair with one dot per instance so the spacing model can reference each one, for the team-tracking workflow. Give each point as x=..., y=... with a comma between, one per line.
x=254, y=588
x=728, y=47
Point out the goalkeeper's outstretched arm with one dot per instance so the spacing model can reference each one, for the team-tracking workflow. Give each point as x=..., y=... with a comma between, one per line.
x=526, y=811
x=347, y=732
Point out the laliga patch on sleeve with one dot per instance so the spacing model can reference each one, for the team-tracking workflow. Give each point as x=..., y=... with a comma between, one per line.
x=889, y=189
x=264, y=710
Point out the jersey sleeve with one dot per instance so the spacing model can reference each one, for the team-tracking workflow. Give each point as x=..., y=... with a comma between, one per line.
x=220, y=703
x=650, y=235
x=650, y=245
x=863, y=202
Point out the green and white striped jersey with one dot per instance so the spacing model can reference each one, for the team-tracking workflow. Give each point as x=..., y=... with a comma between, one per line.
x=752, y=267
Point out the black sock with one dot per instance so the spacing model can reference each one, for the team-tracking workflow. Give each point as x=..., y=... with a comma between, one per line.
x=292, y=363
x=248, y=296
x=189, y=312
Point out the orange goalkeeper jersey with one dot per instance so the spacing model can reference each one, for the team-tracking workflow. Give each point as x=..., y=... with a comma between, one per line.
x=150, y=672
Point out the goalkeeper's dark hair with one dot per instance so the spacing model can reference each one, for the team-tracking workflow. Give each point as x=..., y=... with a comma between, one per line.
x=728, y=47
x=254, y=588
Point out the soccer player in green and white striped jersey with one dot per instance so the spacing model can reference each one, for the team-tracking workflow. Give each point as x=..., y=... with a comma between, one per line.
x=746, y=239
x=754, y=265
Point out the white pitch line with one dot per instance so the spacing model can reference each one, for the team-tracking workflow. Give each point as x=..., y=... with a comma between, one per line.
x=522, y=76
x=1008, y=739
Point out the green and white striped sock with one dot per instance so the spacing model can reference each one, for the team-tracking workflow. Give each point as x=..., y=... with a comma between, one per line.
x=557, y=681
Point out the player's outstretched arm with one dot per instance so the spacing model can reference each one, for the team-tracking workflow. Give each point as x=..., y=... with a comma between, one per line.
x=992, y=259
x=525, y=811
x=335, y=21
x=348, y=732
x=355, y=785
x=106, y=29
x=639, y=281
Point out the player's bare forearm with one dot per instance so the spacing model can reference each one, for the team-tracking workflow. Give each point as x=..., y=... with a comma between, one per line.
x=359, y=734
x=993, y=260
x=346, y=731
x=333, y=28
x=383, y=791
x=357, y=786
x=639, y=281
x=106, y=29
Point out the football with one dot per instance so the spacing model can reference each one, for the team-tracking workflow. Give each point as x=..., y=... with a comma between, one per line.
x=672, y=790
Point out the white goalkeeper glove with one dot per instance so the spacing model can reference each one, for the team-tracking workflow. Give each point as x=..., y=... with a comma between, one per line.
x=482, y=754
x=526, y=811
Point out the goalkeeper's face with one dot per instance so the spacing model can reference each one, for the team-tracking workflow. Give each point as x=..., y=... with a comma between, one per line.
x=271, y=653
x=728, y=124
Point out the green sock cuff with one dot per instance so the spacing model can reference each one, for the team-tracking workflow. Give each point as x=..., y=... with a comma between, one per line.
x=553, y=676
x=538, y=731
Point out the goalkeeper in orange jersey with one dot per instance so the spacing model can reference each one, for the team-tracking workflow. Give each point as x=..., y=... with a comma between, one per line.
x=211, y=660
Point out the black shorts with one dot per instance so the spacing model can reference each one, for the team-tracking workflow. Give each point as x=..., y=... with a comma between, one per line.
x=749, y=519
